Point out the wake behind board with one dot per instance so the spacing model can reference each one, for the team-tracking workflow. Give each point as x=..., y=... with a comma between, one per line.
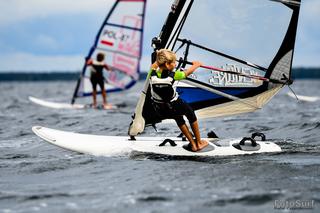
x=99, y=145
x=57, y=105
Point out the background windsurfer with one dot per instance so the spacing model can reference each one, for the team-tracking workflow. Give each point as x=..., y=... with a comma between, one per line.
x=165, y=99
x=96, y=77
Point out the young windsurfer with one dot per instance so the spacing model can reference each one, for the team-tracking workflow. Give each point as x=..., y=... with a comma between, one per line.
x=96, y=77
x=165, y=99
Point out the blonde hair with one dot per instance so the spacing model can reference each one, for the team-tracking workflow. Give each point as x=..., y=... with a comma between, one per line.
x=165, y=56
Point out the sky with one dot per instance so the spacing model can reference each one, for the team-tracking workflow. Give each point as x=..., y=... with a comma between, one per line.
x=56, y=35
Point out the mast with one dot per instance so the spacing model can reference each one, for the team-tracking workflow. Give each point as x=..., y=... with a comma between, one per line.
x=138, y=122
x=166, y=35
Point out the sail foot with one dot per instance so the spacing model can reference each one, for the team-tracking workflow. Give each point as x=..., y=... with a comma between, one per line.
x=238, y=107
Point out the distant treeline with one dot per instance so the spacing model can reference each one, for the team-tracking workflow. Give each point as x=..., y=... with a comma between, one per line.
x=298, y=73
x=50, y=76
x=305, y=73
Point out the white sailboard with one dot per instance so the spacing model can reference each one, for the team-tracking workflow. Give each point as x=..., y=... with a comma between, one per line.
x=57, y=105
x=99, y=145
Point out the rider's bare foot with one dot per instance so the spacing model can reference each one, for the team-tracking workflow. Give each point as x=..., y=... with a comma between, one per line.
x=192, y=148
x=202, y=144
x=107, y=106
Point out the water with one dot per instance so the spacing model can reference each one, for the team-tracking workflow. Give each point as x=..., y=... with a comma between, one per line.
x=36, y=176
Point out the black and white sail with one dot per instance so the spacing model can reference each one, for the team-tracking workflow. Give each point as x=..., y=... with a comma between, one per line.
x=247, y=48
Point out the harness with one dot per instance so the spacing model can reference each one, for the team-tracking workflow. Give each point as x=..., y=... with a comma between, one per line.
x=162, y=89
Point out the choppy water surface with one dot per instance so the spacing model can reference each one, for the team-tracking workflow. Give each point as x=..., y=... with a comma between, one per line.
x=36, y=176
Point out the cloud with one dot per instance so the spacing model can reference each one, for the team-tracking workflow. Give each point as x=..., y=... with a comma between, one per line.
x=30, y=62
x=306, y=60
x=20, y=10
x=145, y=63
x=32, y=9
x=307, y=43
x=39, y=29
x=47, y=41
x=313, y=8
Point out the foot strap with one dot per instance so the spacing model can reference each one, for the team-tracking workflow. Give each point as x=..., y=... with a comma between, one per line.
x=172, y=143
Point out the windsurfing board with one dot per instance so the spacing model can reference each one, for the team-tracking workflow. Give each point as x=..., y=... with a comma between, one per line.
x=99, y=145
x=304, y=97
x=57, y=105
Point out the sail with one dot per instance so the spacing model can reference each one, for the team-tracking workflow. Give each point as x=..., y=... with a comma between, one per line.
x=120, y=39
x=250, y=66
x=246, y=47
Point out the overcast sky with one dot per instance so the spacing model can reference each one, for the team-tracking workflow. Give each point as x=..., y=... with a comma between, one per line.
x=46, y=35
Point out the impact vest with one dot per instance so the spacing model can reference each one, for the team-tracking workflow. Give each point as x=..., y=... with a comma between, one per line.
x=162, y=89
x=96, y=68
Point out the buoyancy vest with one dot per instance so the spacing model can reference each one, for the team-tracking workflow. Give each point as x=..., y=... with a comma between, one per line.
x=162, y=89
x=96, y=68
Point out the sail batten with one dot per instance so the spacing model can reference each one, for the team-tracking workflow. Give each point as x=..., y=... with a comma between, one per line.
x=291, y=2
x=222, y=54
x=125, y=27
x=118, y=52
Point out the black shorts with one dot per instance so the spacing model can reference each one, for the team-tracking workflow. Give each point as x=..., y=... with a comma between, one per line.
x=97, y=79
x=175, y=110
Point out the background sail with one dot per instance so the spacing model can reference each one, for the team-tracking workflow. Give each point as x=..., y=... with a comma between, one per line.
x=120, y=39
